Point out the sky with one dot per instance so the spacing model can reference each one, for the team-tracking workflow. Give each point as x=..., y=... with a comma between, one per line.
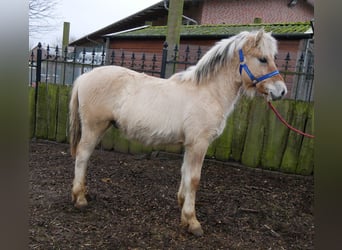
x=87, y=16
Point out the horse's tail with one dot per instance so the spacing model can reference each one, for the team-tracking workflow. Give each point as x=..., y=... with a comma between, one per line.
x=74, y=120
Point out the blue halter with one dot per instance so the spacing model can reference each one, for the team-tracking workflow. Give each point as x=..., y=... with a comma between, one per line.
x=254, y=79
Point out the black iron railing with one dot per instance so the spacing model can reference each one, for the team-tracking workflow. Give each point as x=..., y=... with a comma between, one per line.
x=64, y=66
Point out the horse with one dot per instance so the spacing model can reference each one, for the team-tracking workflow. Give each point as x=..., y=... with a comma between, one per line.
x=189, y=108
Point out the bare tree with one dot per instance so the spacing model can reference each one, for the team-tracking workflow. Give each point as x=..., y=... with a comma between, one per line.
x=42, y=16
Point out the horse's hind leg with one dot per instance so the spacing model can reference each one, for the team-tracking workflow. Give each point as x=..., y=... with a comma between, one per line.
x=91, y=136
x=191, y=174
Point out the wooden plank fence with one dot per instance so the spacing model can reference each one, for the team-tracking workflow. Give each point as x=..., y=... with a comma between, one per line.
x=253, y=135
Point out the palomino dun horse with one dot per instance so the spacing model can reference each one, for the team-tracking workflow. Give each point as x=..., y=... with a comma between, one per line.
x=191, y=107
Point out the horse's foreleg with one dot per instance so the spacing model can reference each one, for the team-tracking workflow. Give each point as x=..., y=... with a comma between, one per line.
x=191, y=174
x=86, y=146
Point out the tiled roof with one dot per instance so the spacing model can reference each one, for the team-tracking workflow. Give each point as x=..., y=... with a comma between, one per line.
x=221, y=30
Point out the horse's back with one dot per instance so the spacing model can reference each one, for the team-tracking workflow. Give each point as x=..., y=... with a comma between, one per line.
x=105, y=75
x=103, y=82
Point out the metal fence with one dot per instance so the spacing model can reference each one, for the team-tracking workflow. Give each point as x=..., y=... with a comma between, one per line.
x=64, y=66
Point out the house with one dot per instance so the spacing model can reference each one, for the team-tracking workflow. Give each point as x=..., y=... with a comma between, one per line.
x=207, y=21
x=202, y=12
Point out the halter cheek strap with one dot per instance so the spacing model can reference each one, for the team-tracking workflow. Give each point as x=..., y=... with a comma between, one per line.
x=254, y=79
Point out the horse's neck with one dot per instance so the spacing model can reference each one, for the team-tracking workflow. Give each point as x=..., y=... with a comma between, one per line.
x=226, y=88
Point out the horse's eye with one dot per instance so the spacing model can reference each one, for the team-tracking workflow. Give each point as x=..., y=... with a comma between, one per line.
x=263, y=60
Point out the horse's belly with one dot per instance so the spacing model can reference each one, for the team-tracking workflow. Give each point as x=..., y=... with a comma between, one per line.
x=152, y=115
x=150, y=135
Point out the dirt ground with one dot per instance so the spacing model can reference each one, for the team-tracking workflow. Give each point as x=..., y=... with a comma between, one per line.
x=133, y=205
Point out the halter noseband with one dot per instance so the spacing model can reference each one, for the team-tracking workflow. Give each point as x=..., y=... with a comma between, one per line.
x=254, y=79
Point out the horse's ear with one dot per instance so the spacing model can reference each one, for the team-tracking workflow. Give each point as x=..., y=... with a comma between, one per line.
x=258, y=36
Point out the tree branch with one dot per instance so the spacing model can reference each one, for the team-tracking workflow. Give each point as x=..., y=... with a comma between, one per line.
x=42, y=14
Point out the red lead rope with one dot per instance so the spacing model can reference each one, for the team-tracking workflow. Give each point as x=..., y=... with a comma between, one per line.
x=286, y=124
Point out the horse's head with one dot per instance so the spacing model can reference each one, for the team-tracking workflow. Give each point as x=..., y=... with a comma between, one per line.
x=257, y=67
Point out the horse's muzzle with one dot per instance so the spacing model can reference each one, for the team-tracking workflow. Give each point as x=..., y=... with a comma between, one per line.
x=274, y=98
x=277, y=90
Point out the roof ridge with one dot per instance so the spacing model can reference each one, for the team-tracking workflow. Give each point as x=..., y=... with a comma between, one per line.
x=237, y=25
x=220, y=30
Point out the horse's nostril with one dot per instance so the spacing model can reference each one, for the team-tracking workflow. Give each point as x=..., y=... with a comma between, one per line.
x=283, y=93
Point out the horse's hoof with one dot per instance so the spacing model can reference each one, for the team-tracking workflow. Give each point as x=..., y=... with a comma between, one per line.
x=197, y=231
x=80, y=206
x=81, y=203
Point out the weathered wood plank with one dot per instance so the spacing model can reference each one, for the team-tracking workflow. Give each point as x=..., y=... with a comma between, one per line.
x=294, y=143
x=211, y=149
x=52, y=110
x=255, y=133
x=62, y=117
x=147, y=149
x=32, y=116
x=158, y=148
x=275, y=135
x=135, y=147
x=305, y=164
x=42, y=112
x=121, y=144
x=240, y=125
x=107, y=141
x=174, y=148
x=224, y=142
